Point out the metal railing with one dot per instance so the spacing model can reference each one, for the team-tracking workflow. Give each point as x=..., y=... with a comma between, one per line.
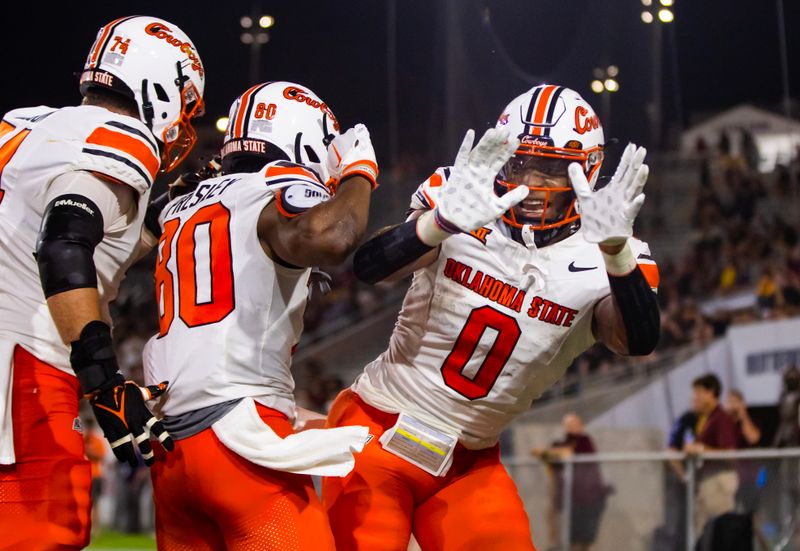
x=692, y=464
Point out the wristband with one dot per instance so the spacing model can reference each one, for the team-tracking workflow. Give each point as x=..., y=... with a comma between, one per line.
x=429, y=229
x=93, y=359
x=622, y=263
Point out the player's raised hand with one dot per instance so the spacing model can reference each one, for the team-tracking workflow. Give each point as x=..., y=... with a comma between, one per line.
x=351, y=153
x=468, y=200
x=607, y=215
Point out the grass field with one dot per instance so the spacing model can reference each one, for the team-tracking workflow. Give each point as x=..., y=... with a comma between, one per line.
x=108, y=541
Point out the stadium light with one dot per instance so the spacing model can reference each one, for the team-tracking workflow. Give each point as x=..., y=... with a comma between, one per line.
x=647, y=17
x=222, y=124
x=666, y=16
x=666, y=2
x=605, y=79
x=647, y=2
x=255, y=35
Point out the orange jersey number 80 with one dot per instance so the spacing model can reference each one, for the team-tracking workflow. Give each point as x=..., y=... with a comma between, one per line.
x=192, y=311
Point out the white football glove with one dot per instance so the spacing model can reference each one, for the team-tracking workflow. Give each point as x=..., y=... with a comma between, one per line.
x=467, y=200
x=607, y=215
x=352, y=153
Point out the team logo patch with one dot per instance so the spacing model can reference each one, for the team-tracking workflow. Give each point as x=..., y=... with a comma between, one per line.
x=542, y=141
x=77, y=426
x=481, y=234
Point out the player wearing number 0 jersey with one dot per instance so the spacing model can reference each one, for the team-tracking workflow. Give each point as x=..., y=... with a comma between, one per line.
x=509, y=287
x=232, y=282
x=74, y=192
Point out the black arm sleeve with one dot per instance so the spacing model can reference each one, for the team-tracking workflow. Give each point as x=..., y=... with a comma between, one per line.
x=388, y=252
x=71, y=229
x=639, y=308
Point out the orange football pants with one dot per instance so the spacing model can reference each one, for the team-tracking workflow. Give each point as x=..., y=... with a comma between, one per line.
x=45, y=497
x=385, y=498
x=209, y=498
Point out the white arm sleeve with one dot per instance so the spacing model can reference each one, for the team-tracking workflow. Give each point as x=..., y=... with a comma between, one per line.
x=116, y=202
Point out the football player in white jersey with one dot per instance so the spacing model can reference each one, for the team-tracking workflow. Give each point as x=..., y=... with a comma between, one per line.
x=502, y=301
x=74, y=189
x=232, y=282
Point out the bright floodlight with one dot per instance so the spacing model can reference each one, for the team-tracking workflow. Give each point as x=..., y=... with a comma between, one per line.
x=222, y=124
x=612, y=71
x=666, y=2
x=665, y=15
x=611, y=85
x=597, y=86
x=647, y=17
x=246, y=22
x=266, y=21
x=647, y=2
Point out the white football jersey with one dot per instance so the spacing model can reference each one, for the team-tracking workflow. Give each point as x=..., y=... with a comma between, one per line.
x=488, y=327
x=229, y=315
x=37, y=145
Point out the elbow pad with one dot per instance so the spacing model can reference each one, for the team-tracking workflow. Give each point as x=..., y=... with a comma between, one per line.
x=72, y=227
x=388, y=252
x=639, y=308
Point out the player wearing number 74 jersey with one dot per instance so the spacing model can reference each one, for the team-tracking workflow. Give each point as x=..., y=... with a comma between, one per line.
x=513, y=278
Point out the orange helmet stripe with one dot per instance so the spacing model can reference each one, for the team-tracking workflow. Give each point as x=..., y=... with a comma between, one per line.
x=98, y=47
x=241, y=112
x=541, y=109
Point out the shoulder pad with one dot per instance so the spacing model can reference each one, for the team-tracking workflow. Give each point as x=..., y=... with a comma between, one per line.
x=281, y=173
x=28, y=116
x=123, y=151
x=427, y=193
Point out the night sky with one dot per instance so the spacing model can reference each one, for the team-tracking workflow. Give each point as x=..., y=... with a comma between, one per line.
x=725, y=52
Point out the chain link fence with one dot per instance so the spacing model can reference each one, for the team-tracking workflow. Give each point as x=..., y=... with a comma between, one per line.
x=664, y=501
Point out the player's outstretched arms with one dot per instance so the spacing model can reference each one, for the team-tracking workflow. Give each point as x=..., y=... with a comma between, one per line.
x=466, y=203
x=326, y=234
x=73, y=225
x=628, y=321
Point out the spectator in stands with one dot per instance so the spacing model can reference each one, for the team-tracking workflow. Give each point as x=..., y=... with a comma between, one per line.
x=788, y=433
x=589, y=492
x=715, y=430
x=748, y=435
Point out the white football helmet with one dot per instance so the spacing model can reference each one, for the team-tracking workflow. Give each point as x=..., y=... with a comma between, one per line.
x=279, y=121
x=556, y=127
x=154, y=63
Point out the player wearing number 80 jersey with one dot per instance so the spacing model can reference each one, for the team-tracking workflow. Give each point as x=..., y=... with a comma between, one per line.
x=232, y=283
x=509, y=287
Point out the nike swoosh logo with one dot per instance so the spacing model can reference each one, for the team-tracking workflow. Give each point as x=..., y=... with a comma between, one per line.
x=574, y=268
